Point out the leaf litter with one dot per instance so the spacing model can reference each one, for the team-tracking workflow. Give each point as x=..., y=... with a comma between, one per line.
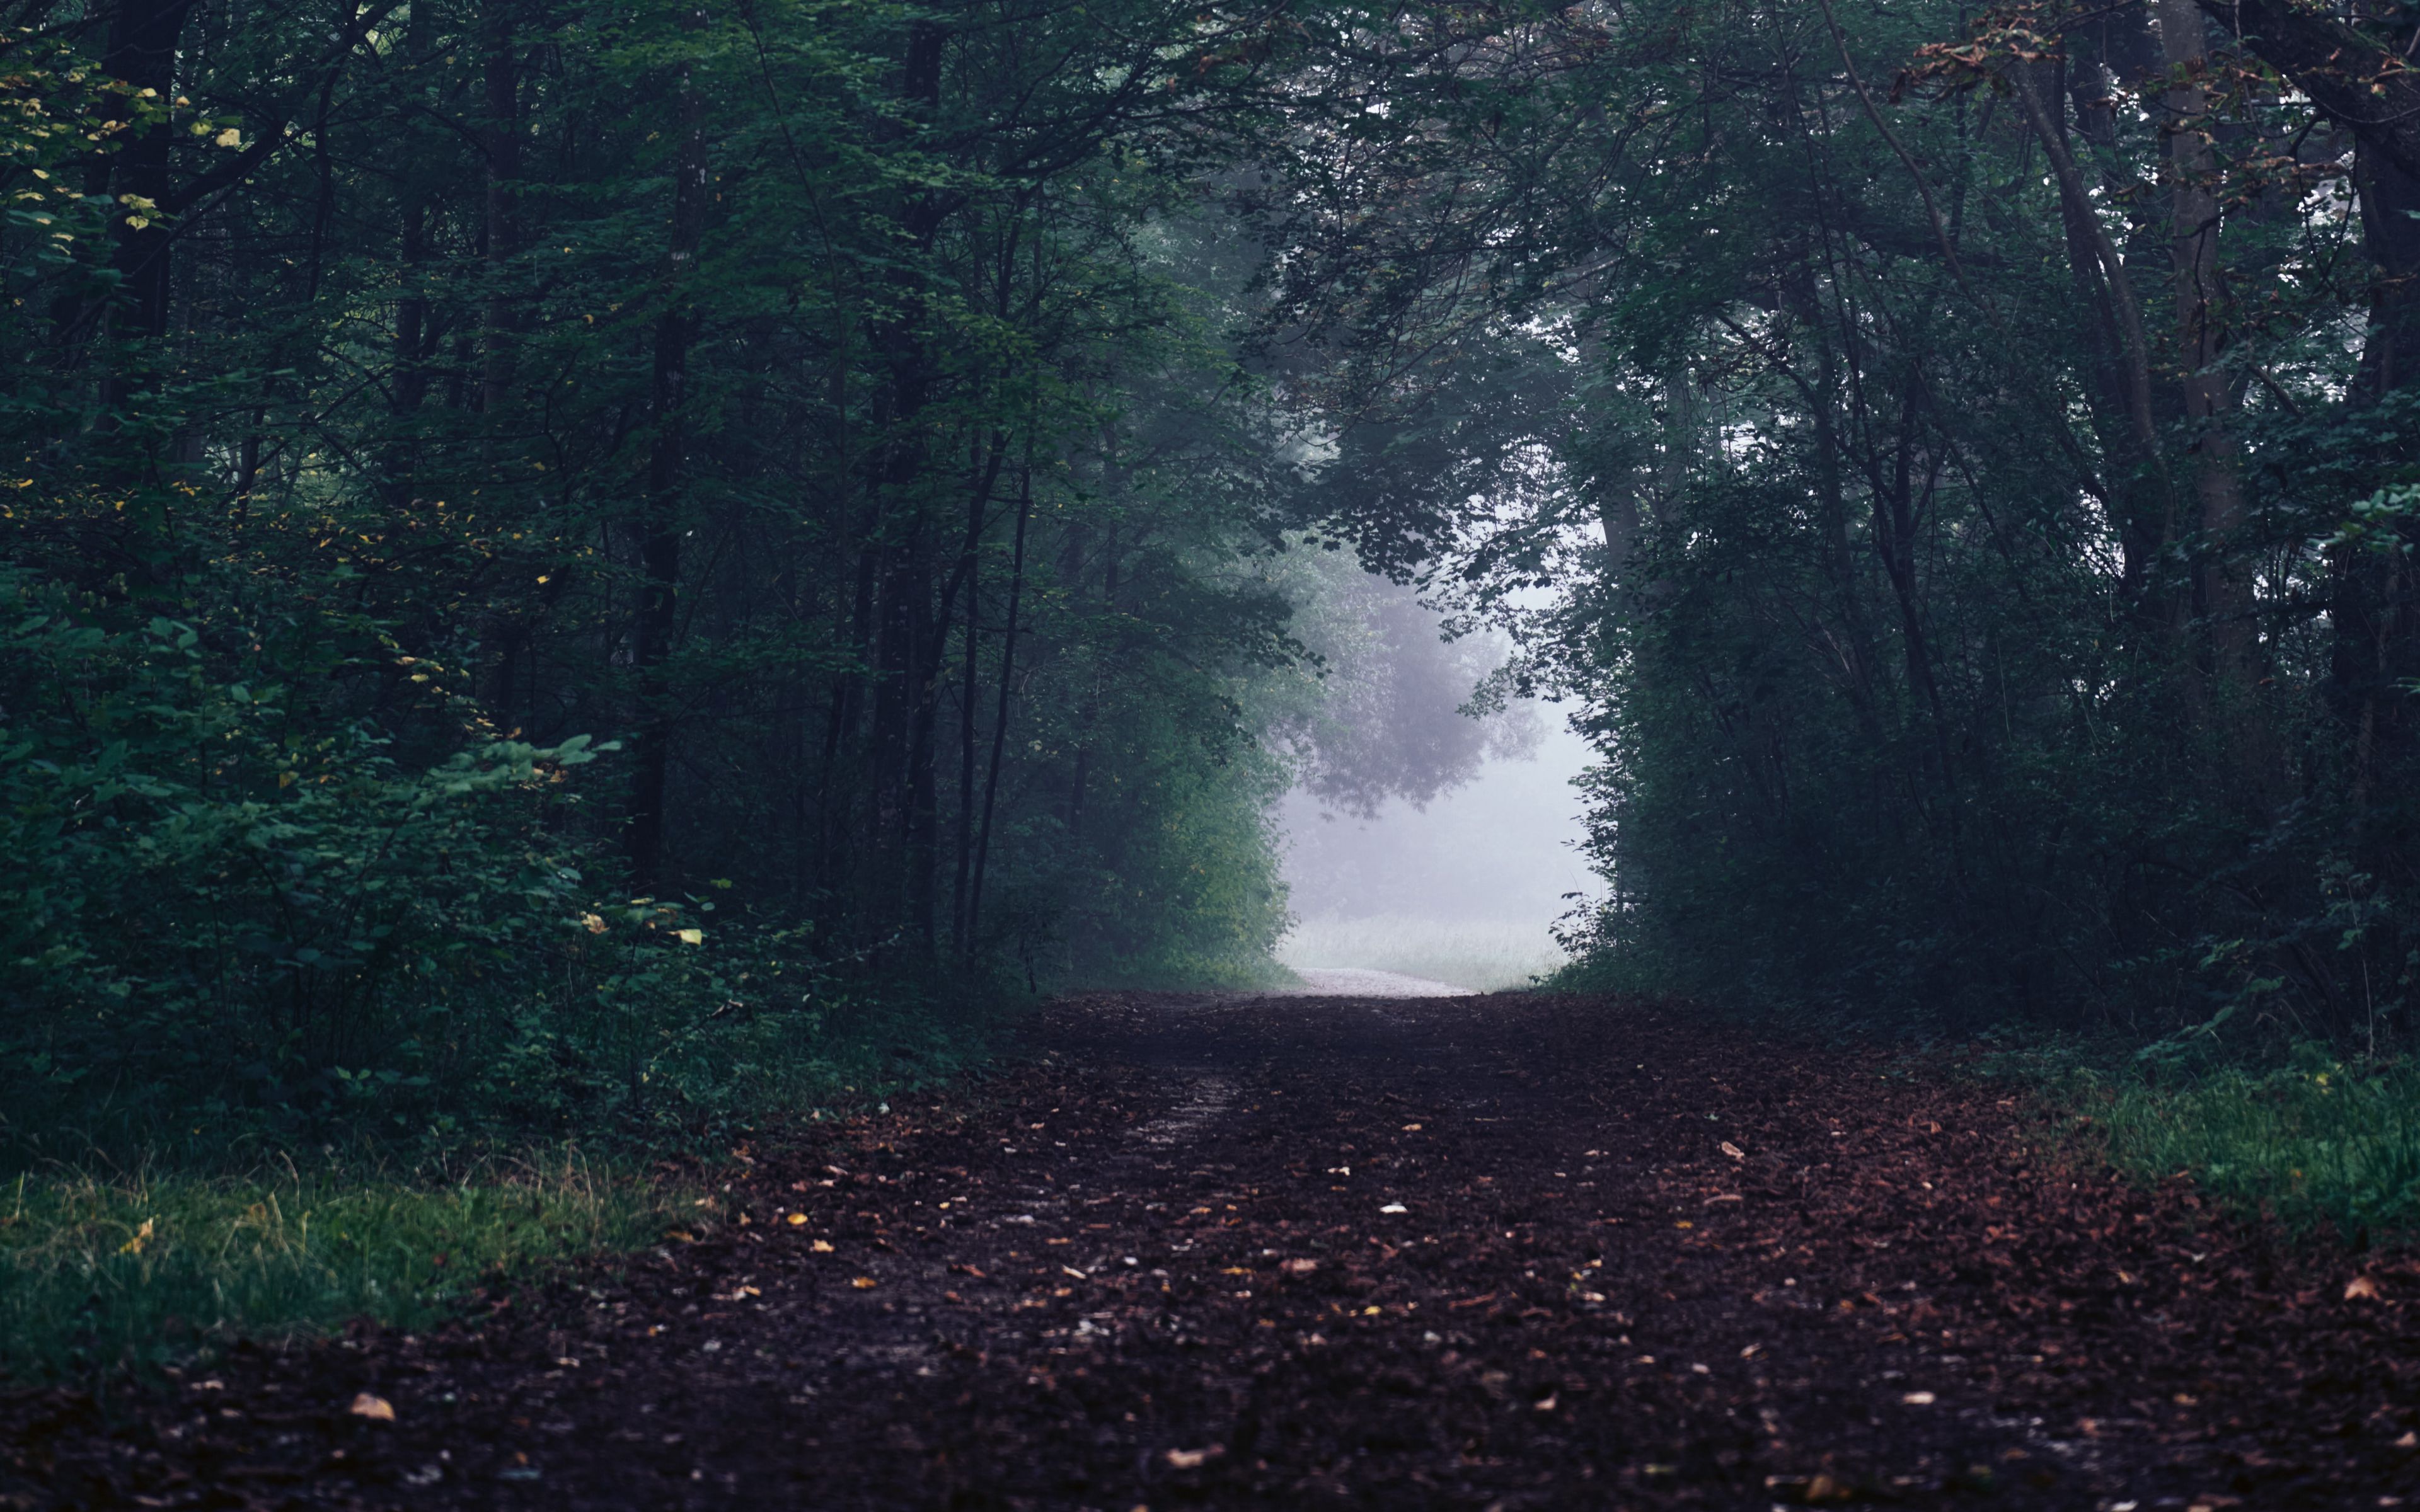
x=1909, y=1294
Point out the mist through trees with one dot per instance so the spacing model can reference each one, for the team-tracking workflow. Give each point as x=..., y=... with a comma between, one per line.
x=557, y=549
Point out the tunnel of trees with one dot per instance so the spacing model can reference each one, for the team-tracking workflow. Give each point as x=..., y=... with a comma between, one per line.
x=556, y=552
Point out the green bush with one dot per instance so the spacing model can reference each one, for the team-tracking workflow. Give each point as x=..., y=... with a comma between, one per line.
x=235, y=922
x=220, y=904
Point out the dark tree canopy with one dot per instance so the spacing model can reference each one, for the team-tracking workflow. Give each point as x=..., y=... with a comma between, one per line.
x=553, y=549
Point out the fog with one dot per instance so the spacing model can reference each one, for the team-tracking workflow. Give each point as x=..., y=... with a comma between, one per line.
x=1462, y=891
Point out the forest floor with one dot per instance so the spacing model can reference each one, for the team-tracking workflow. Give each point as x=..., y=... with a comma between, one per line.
x=1509, y=1252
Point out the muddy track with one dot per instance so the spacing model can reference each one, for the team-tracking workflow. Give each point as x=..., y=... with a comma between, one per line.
x=1305, y=1252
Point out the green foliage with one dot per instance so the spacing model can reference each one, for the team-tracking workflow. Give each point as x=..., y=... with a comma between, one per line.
x=160, y=1269
x=621, y=571
x=1980, y=619
x=2323, y=1143
x=210, y=887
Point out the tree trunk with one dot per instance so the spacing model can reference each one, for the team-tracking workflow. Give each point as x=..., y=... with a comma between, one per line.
x=143, y=40
x=501, y=139
x=660, y=549
x=1007, y=682
x=2222, y=579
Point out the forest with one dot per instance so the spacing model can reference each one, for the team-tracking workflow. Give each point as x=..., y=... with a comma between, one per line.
x=585, y=579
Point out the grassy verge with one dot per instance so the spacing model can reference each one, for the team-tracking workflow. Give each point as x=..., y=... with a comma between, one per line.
x=96, y=1275
x=2320, y=1144
x=2323, y=1146
x=219, y=1236
x=1479, y=955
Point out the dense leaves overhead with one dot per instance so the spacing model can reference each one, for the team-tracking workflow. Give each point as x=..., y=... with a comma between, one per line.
x=1956, y=463
x=818, y=418
x=1968, y=453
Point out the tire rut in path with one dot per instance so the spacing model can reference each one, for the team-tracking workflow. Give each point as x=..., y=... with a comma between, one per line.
x=1507, y=1252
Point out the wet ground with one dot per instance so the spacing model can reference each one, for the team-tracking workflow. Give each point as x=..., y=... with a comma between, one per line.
x=1356, y=1251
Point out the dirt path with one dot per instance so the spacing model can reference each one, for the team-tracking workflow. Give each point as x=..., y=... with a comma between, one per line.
x=1470, y=1252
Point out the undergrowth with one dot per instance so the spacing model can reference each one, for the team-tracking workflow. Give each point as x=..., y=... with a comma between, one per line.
x=2324, y=1145
x=224, y=1231
x=149, y=1270
x=2320, y=1144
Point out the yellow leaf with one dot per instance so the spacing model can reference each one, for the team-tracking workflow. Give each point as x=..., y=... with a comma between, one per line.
x=230, y=138
x=142, y=1237
x=377, y=1408
x=2360, y=1287
x=821, y=1247
x=691, y=937
x=863, y=1283
x=596, y=924
x=797, y=1220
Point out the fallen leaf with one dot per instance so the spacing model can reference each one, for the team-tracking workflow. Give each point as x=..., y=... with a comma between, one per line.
x=1918, y=1398
x=1545, y=1403
x=142, y=1237
x=797, y=1220
x=1411, y=1127
x=1299, y=1267
x=2360, y=1287
x=1394, y=1207
x=377, y=1408
x=821, y=1247
x=1734, y=1151
x=1069, y=1269
x=863, y=1283
x=1193, y=1458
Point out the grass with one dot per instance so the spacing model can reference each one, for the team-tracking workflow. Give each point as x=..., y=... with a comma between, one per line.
x=2323, y=1145
x=2320, y=1144
x=146, y=1271
x=206, y=1243
x=1482, y=956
